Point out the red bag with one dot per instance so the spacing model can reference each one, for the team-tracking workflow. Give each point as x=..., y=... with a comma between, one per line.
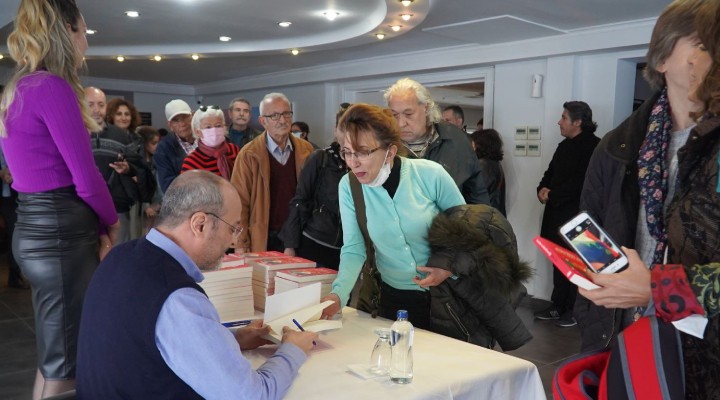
x=646, y=364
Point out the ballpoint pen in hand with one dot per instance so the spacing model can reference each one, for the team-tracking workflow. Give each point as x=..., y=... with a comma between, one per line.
x=301, y=329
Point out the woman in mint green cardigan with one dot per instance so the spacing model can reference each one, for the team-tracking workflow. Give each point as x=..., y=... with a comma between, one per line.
x=402, y=197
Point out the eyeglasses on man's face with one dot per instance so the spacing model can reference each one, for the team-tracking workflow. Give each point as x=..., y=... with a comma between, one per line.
x=236, y=230
x=361, y=155
x=205, y=108
x=276, y=116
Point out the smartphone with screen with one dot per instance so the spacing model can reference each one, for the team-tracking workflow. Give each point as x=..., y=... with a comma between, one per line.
x=593, y=245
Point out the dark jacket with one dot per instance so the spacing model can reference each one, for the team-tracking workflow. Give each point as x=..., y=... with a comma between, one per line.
x=453, y=151
x=168, y=159
x=564, y=177
x=611, y=195
x=117, y=353
x=125, y=191
x=477, y=244
x=315, y=209
x=241, y=138
x=693, y=225
x=494, y=178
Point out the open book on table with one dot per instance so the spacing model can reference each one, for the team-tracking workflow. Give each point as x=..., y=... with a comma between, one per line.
x=301, y=304
x=567, y=261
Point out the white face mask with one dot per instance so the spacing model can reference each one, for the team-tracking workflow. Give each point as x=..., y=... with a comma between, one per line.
x=383, y=174
x=297, y=134
x=213, y=137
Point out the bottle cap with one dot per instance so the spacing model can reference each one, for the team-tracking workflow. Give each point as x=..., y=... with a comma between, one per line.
x=402, y=314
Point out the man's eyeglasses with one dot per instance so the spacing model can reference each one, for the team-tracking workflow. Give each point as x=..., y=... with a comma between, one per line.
x=276, y=116
x=205, y=108
x=236, y=230
x=361, y=155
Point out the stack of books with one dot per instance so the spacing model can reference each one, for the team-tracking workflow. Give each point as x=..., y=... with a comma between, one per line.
x=229, y=288
x=292, y=279
x=263, y=275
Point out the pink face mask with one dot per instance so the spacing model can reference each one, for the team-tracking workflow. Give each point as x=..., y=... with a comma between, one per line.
x=213, y=137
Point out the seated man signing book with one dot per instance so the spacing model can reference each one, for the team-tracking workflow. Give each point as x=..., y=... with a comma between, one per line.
x=148, y=331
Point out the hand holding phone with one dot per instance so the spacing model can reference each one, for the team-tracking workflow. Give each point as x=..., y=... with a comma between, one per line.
x=593, y=245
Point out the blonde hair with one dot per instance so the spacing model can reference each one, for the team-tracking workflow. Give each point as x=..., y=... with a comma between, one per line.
x=407, y=85
x=40, y=40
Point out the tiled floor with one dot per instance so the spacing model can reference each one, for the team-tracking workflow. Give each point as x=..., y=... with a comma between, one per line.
x=549, y=346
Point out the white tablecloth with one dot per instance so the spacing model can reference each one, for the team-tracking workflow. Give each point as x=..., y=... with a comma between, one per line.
x=444, y=368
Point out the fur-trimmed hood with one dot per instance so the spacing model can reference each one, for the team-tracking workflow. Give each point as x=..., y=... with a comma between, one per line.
x=477, y=241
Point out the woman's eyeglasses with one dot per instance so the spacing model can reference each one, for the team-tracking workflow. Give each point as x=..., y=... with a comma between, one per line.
x=361, y=155
x=205, y=108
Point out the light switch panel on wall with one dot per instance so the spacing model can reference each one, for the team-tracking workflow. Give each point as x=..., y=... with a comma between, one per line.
x=533, y=133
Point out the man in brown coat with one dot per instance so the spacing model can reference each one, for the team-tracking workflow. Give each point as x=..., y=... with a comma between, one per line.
x=265, y=176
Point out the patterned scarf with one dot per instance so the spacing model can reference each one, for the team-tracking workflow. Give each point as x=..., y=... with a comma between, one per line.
x=218, y=153
x=652, y=174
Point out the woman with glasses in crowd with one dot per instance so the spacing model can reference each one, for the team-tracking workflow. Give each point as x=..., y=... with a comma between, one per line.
x=214, y=153
x=313, y=229
x=63, y=201
x=402, y=196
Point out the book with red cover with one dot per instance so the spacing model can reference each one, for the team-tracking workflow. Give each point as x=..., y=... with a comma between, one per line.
x=567, y=261
x=308, y=274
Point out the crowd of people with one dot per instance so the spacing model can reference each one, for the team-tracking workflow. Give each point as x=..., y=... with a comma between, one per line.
x=154, y=211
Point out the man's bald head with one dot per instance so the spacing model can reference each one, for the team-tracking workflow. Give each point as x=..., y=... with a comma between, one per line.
x=97, y=103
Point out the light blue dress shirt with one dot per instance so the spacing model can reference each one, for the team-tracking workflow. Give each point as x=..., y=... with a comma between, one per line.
x=204, y=353
x=281, y=156
x=398, y=226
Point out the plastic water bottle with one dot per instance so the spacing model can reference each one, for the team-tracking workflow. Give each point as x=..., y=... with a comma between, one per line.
x=401, y=342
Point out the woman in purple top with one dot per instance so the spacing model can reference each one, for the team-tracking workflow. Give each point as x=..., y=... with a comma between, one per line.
x=63, y=201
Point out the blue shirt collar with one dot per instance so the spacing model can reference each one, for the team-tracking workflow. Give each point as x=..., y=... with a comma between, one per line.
x=165, y=243
x=275, y=149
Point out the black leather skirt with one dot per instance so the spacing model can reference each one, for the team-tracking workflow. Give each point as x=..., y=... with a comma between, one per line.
x=55, y=243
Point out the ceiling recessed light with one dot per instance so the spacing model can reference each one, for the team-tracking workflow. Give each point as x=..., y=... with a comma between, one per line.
x=132, y=14
x=90, y=31
x=120, y=58
x=395, y=28
x=406, y=3
x=285, y=24
x=406, y=17
x=224, y=38
x=295, y=52
x=380, y=36
x=195, y=57
x=331, y=15
x=157, y=58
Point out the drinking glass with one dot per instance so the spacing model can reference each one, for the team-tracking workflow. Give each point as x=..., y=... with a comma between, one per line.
x=381, y=353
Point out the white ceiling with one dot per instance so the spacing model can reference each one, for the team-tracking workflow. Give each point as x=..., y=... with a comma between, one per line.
x=176, y=29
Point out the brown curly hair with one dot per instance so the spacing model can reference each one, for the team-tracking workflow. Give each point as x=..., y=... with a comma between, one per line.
x=112, y=108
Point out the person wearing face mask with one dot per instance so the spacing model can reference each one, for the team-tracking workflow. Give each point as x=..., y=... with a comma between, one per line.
x=402, y=196
x=214, y=153
x=301, y=130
